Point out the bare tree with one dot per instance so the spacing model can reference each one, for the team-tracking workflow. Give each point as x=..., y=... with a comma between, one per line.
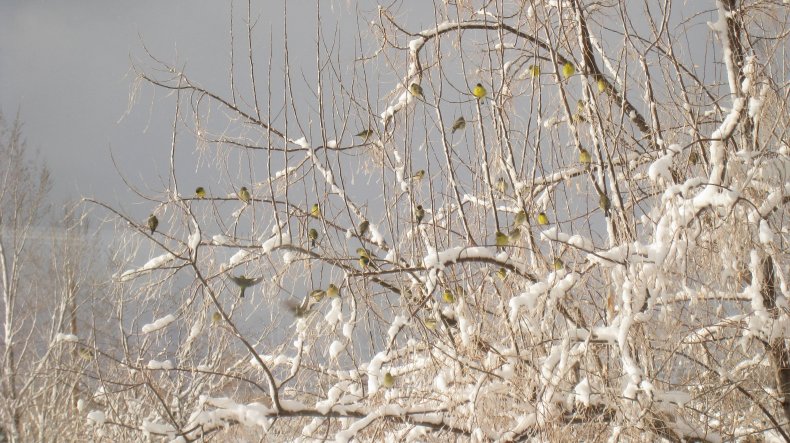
x=559, y=221
x=48, y=275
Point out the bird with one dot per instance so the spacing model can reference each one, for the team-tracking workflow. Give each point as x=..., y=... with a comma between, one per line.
x=693, y=158
x=459, y=124
x=388, y=381
x=200, y=192
x=448, y=296
x=430, y=323
x=419, y=214
x=317, y=294
x=312, y=234
x=244, y=195
x=568, y=69
x=558, y=264
x=521, y=217
x=479, y=91
x=85, y=354
x=315, y=210
x=601, y=85
x=300, y=310
x=534, y=70
x=153, y=222
x=364, y=134
x=603, y=202
x=502, y=273
x=363, y=227
x=332, y=291
x=418, y=175
x=501, y=239
x=501, y=185
x=362, y=252
x=364, y=261
x=584, y=157
x=514, y=235
x=416, y=90
x=543, y=219
x=216, y=317
x=244, y=282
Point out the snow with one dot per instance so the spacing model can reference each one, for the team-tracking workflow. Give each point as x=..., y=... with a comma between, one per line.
x=766, y=234
x=582, y=391
x=158, y=324
x=59, y=337
x=96, y=418
x=160, y=365
x=335, y=349
x=238, y=257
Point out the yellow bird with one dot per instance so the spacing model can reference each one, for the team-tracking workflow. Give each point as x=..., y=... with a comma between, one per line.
x=419, y=214
x=459, y=124
x=448, y=296
x=418, y=175
x=543, y=219
x=416, y=90
x=430, y=323
x=364, y=261
x=603, y=202
x=216, y=317
x=388, y=381
x=514, y=235
x=534, y=70
x=363, y=227
x=312, y=234
x=521, y=217
x=315, y=211
x=568, y=69
x=332, y=291
x=501, y=185
x=502, y=273
x=362, y=252
x=601, y=85
x=200, y=192
x=364, y=134
x=501, y=239
x=558, y=264
x=153, y=222
x=244, y=282
x=584, y=157
x=317, y=294
x=244, y=195
x=479, y=91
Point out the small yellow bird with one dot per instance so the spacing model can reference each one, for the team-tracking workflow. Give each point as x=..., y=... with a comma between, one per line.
x=200, y=192
x=502, y=273
x=419, y=214
x=85, y=354
x=501, y=239
x=534, y=70
x=312, y=234
x=501, y=185
x=153, y=222
x=362, y=252
x=584, y=157
x=216, y=317
x=543, y=219
x=388, y=381
x=315, y=210
x=448, y=296
x=363, y=227
x=418, y=175
x=693, y=158
x=430, y=323
x=244, y=195
x=603, y=202
x=558, y=264
x=568, y=70
x=317, y=294
x=364, y=261
x=459, y=124
x=364, y=134
x=332, y=291
x=416, y=90
x=479, y=91
x=521, y=217
x=601, y=85
x=514, y=235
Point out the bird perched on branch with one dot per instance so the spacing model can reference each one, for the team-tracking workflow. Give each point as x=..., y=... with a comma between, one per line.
x=244, y=282
x=479, y=91
x=416, y=90
x=312, y=234
x=364, y=134
x=568, y=70
x=363, y=227
x=315, y=210
x=244, y=195
x=153, y=222
x=419, y=214
x=543, y=219
x=200, y=192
